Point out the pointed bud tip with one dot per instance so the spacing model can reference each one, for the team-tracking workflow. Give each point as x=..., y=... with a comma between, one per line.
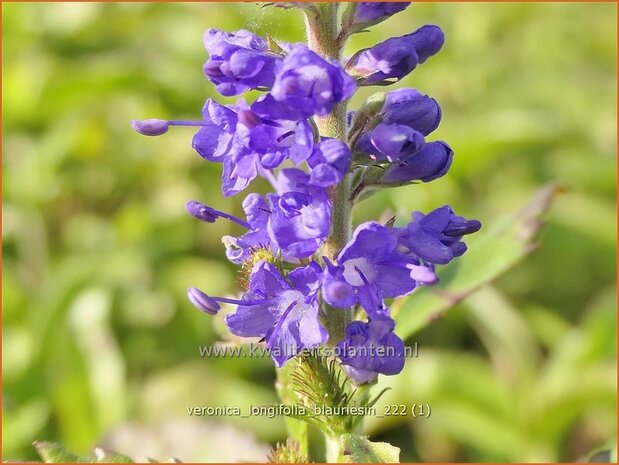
x=150, y=127
x=202, y=301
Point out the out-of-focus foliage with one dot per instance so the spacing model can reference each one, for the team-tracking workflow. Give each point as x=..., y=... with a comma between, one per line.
x=100, y=346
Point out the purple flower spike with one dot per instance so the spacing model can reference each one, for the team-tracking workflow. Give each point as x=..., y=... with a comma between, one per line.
x=202, y=301
x=395, y=58
x=306, y=85
x=371, y=348
x=390, y=142
x=432, y=162
x=238, y=61
x=283, y=311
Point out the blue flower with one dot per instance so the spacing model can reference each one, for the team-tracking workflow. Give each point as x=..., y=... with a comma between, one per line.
x=329, y=162
x=437, y=237
x=284, y=311
x=371, y=265
x=247, y=144
x=306, y=84
x=371, y=348
x=238, y=61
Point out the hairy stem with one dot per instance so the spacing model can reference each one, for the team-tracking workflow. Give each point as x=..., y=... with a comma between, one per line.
x=322, y=37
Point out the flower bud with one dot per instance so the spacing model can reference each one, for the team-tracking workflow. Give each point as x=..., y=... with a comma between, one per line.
x=361, y=15
x=411, y=108
x=395, y=58
x=390, y=142
x=432, y=162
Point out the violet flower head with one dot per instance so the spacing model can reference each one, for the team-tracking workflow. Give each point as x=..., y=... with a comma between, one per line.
x=371, y=348
x=239, y=61
x=284, y=311
x=307, y=84
x=395, y=58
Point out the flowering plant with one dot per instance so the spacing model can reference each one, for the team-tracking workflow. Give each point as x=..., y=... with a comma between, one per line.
x=312, y=280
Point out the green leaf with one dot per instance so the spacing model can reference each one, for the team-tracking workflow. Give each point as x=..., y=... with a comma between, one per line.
x=358, y=449
x=51, y=452
x=499, y=247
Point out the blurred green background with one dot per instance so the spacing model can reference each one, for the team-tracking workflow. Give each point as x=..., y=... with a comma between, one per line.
x=99, y=342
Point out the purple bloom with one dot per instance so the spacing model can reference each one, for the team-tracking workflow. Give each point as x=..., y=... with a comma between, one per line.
x=371, y=348
x=411, y=108
x=247, y=143
x=390, y=142
x=306, y=85
x=294, y=222
x=430, y=163
x=396, y=57
x=367, y=14
x=300, y=217
x=329, y=162
x=283, y=311
x=436, y=237
x=371, y=265
x=238, y=61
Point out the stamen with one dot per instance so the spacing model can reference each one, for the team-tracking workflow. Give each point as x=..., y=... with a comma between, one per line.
x=281, y=321
x=202, y=301
x=363, y=278
x=157, y=127
x=205, y=213
x=285, y=135
x=209, y=304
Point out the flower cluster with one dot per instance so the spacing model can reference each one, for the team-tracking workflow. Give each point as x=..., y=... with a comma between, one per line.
x=292, y=282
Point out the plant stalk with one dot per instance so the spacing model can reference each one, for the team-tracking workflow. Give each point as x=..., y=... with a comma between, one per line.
x=322, y=33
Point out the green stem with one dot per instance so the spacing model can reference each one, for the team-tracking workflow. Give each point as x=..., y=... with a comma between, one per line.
x=332, y=449
x=322, y=37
